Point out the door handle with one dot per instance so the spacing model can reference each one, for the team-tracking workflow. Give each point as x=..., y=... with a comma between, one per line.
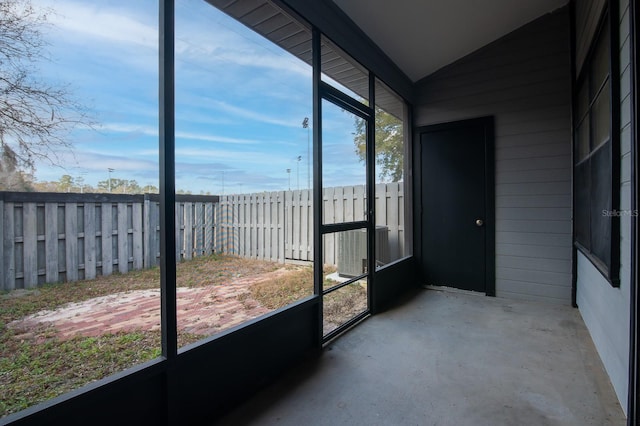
x=479, y=222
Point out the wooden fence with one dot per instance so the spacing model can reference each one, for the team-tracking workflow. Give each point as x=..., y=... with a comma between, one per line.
x=52, y=237
x=278, y=226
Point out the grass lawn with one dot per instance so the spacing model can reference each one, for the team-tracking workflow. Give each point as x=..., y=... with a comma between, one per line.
x=38, y=365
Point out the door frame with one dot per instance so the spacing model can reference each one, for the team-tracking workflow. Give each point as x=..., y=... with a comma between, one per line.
x=490, y=217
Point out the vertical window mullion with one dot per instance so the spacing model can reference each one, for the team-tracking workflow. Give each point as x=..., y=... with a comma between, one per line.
x=167, y=180
x=317, y=180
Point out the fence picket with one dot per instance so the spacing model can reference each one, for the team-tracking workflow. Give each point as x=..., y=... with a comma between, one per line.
x=146, y=233
x=281, y=226
x=208, y=228
x=29, y=245
x=178, y=230
x=123, y=239
x=89, y=241
x=136, y=224
x=198, y=230
x=9, y=243
x=288, y=224
x=51, y=242
x=188, y=230
x=107, y=238
x=71, y=240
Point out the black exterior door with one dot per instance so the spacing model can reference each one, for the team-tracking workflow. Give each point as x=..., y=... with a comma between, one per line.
x=457, y=205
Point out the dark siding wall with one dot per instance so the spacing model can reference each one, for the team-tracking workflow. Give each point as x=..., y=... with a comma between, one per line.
x=523, y=80
x=605, y=309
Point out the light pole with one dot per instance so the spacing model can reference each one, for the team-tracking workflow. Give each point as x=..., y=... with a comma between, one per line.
x=305, y=125
x=110, y=170
x=289, y=173
x=298, y=171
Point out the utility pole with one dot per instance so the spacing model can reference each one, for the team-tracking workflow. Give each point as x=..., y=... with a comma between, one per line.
x=298, y=171
x=305, y=125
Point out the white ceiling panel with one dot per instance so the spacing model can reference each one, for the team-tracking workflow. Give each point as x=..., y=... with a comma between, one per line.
x=422, y=36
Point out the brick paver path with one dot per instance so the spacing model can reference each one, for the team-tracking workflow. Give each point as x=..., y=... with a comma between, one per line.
x=201, y=310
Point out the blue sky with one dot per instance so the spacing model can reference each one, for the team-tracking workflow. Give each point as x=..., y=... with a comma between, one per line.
x=240, y=100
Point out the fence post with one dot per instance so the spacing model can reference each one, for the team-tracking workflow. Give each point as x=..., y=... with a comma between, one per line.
x=89, y=241
x=146, y=234
x=107, y=238
x=136, y=222
x=188, y=230
x=279, y=226
x=154, y=220
x=123, y=243
x=71, y=240
x=51, y=242
x=9, y=247
x=198, y=225
x=179, y=240
x=29, y=245
x=209, y=228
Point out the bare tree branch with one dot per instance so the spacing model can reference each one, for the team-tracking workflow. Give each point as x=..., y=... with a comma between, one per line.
x=35, y=117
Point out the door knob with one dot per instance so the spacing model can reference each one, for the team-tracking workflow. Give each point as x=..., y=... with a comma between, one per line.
x=479, y=222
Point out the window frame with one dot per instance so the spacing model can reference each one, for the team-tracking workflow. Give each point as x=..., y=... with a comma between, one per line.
x=607, y=26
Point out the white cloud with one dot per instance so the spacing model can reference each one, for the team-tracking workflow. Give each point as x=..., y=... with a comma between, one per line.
x=252, y=115
x=242, y=158
x=153, y=131
x=79, y=20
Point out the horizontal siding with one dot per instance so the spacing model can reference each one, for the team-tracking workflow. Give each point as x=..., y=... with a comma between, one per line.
x=534, y=238
x=533, y=251
x=532, y=201
x=531, y=226
x=531, y=188
x=530, y=277
x=528, y=294
x=528, y=263
x=523, y=80
x=532, y=213
x=606, y=309
x=541, y=175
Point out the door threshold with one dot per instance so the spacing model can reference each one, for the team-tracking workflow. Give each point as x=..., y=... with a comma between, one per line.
x=452, y=290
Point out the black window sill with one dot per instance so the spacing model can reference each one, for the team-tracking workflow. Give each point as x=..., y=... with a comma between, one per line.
x=611, y=274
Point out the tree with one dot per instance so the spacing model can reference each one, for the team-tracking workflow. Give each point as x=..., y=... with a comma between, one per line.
x=389, y=144
x=120, y=186
x=35, y=117
x=12, y=179
x=66, y=183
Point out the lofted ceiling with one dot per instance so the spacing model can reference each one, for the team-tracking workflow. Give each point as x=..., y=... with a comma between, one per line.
x=422, y=36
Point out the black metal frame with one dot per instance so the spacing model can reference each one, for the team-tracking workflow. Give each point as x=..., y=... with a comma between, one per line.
x=168, y=303
x=633, y=397
x=331, y=94
x=609, y=14
x=572, y=48
x=317, y=179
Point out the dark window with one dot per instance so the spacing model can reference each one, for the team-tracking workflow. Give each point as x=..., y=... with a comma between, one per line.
x=596, y=150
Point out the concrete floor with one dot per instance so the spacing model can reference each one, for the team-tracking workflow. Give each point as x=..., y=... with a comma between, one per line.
x=447, y=358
